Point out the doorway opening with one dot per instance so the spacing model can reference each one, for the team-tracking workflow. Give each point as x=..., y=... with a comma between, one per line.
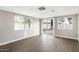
x=48, y=26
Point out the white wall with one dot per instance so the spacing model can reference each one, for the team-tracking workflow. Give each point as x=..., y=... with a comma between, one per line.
x=7, y=32
x=78, y=27
x=68, y=33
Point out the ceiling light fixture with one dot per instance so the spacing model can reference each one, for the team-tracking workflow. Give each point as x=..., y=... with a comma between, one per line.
x=53, y=11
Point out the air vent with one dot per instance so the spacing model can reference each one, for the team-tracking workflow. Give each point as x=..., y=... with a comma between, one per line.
x=41, y=8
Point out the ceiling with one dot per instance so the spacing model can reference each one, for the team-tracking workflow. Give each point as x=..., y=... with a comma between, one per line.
x=51, y=11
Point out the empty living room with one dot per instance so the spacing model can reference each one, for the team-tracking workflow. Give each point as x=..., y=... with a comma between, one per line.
x=39, y=28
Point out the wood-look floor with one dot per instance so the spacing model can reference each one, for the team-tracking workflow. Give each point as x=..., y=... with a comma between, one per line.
x=42, y=43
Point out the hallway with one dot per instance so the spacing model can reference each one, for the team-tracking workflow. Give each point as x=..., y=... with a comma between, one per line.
x=43, y=43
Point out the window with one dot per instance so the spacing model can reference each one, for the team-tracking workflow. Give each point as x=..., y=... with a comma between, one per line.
x=18, y=22
x=65, y=23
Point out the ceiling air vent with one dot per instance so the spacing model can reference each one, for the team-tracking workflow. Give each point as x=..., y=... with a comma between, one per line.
x=41, y=8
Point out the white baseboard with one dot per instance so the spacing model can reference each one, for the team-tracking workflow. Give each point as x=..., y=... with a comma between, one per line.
x=78, y=40
x=66, y=37
x=15, y=40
